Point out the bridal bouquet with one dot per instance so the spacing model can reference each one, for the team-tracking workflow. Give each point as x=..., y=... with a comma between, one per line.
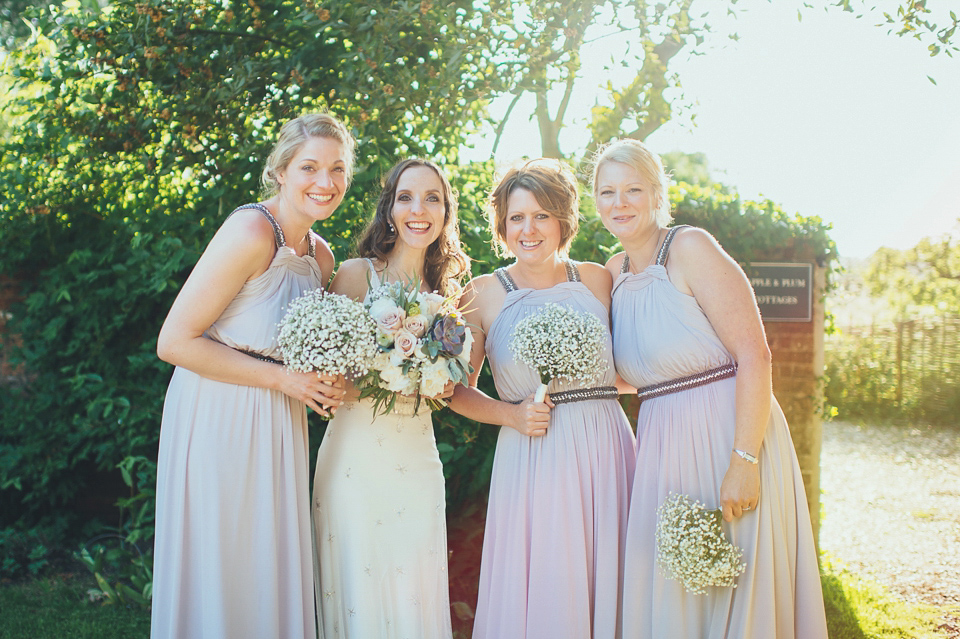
x=560, y=343
x=423, y=343
x=327, y=333
x=691, y=547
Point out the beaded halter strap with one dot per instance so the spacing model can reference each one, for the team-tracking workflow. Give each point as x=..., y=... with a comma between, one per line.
x=573, y=275
x=277, y=231
x=661, y=254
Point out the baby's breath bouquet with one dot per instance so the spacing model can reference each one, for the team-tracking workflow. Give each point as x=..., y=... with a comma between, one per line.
x=327, y=333
x=560, y=343
x=423, y=343
x=691, y=547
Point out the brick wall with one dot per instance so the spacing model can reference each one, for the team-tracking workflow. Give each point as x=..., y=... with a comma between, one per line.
x=797, y=349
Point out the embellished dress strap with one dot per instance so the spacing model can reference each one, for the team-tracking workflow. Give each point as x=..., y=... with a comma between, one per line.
x=573, y=273
x=625, y=266
x=277, y=231
x=505, y=279
x=665, y=247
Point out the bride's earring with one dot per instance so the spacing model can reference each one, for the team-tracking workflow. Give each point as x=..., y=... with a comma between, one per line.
x=392, y=229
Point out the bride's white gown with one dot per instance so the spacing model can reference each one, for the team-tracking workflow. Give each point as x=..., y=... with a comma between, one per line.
x=380, y=529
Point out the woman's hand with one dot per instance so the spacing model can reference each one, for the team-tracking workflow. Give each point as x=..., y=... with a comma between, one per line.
x=740, y=490
x=322, y=393
x=531, y=418
x=446, y=393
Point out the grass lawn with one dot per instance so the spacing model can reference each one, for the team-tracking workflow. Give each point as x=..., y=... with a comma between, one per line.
x=59, y=607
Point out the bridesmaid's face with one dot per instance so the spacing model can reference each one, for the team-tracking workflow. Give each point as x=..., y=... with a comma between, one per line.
x=418, y=207
x=532, y=233
x=624, y=200
x=315, y=180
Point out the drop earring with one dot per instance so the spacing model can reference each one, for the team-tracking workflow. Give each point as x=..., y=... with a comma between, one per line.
x=392, y=229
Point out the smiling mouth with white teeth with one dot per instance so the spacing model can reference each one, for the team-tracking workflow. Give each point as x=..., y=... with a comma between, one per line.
x=530, y=244
x=320, y=199
x=418, y=226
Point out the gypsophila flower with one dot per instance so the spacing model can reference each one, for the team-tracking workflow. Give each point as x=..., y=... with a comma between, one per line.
x=561, y=343
x=423, y=343
x=692, y=548
x=327, y=333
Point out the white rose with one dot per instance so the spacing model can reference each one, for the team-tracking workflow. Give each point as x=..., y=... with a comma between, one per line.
x=433, y=377
x=430, y=303
x=405, y=342
x=416, y=324
x=388, y=316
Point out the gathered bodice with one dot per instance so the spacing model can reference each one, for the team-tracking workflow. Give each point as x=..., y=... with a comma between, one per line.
x=514, y=380
x=250, y=321
x=659, y=333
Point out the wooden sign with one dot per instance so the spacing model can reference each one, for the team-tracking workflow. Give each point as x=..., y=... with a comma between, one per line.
x=784, y=290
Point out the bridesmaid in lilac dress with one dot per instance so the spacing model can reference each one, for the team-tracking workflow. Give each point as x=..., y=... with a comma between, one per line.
x=552, y=550
x=688, y=335
x=233, y=552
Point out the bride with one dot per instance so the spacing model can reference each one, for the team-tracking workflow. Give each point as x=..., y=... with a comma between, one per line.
x=378, y=504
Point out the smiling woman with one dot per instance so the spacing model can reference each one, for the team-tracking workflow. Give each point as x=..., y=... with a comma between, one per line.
x=233, y=555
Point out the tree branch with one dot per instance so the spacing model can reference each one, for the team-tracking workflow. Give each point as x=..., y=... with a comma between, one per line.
x=503, y=121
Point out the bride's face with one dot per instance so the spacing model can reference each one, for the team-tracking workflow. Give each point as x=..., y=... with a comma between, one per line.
x=532, y=233
x=418, y=207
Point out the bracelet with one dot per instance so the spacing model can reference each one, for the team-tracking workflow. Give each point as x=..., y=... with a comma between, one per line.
x=750, y=458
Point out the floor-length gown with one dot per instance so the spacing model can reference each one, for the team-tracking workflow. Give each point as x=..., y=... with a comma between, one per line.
x=553, y=545
x=233, y=556
x=380, y=526
x=684, y=443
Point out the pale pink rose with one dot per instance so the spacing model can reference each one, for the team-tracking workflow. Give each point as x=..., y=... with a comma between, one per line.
x=388, y=316
x=405, y=342
x=416, y=325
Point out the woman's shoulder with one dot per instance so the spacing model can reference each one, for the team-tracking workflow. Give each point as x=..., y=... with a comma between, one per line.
x=596, y=278
x=691, y=242
x=247, y=230
x=353, y=278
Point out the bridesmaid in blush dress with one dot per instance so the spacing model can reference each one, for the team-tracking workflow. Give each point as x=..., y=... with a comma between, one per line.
x=688, y=335
x=553, y=546
x=233, y=555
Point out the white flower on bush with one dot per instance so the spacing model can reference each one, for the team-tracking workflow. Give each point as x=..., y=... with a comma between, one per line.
x=416, y=324
x=388, y=316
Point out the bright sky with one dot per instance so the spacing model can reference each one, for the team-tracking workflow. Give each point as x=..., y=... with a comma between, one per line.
x=828, y=116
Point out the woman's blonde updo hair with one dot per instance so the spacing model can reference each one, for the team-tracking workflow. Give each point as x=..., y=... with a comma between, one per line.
x=636, y=155
x=293, y=135
x=554, y=186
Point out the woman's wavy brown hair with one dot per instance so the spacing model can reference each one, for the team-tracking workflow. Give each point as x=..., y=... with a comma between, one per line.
x=445, y=264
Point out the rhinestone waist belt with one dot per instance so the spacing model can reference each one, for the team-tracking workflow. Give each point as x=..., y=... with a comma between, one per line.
x=690, y=381
x=582, y=395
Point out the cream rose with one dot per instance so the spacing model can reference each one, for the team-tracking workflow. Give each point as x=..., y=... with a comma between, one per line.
x=405, y=342
x=388, y=316
x=416, y=324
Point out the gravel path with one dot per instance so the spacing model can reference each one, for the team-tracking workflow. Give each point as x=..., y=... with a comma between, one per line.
x=891, y=509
